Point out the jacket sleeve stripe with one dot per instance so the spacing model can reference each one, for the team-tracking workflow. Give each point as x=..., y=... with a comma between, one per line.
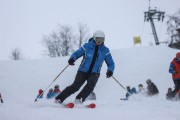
x=108, y=53
x=83, y=48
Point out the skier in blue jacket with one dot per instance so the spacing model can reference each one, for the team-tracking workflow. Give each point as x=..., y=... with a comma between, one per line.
x=94, y=54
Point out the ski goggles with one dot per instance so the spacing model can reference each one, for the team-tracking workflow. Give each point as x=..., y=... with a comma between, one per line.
x=99, y=39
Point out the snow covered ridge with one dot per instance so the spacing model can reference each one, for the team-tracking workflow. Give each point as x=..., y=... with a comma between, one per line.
x=21, y=80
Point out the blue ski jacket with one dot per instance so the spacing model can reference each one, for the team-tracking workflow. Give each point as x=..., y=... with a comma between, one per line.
x=87, y=51
x=51, y=95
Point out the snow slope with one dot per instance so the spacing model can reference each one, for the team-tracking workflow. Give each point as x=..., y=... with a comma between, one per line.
x=20, y=81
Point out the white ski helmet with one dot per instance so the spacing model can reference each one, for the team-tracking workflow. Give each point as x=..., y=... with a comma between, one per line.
x=98, y=34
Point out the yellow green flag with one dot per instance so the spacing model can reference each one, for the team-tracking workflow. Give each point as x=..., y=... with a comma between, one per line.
x=137, y=40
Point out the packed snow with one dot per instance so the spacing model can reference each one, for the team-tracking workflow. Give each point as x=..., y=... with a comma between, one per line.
x=21, y=80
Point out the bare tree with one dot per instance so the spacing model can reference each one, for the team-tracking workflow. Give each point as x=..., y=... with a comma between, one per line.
x=173, y=22
x=83, y=34
x=67, y=39
x=51, y=45
x=16, y=54
x=59, y=43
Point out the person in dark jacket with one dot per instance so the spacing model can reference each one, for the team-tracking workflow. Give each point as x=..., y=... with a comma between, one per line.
x=170, y=94
x=94, y=54
x=174, y=69
x=151, y=88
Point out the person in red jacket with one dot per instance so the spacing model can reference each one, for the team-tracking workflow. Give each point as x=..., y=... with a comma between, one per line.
x=40, y=95
x=174, y=69
x=56, y=89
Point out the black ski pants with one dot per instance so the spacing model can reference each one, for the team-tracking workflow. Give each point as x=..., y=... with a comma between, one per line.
x=80, y=79
x=177, y=84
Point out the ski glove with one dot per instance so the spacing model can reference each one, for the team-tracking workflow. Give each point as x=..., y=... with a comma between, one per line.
x=71, y=61
x=109, y=74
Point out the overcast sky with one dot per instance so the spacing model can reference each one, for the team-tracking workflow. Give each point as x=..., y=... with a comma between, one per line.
x=23, y=22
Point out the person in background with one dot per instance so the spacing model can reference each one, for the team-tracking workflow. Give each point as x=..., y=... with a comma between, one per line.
x=170, y=94
x=151, y=88
x=141, y=90
x=40, y=94
x=174, y=69
x=53, y=93
x=50, y=94
x=129, y=92
x=56, y=89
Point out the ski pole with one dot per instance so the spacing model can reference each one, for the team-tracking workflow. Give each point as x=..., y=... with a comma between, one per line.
x=51, y=82
x=121, y=85
x=1, y=98
x=118, y=82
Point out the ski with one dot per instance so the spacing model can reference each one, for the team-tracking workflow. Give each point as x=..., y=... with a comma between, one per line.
x=69, y=105
x=123, y=99
x=91, y=105
x=72, y=105
x=66, y=105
